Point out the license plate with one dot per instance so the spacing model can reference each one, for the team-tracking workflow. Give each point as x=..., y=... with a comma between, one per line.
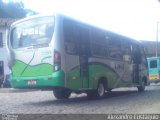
x=32, y=82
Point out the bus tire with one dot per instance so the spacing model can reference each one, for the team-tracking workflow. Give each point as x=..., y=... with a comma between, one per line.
x=99, y=92
x=62, y=93
x=142, y=87
x=100, y=89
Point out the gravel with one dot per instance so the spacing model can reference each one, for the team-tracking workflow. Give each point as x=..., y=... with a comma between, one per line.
x=119, y=101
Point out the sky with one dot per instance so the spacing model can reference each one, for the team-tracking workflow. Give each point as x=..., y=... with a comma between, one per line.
x=137, y=19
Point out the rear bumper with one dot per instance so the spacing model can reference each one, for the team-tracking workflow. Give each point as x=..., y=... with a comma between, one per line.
x=57, y=79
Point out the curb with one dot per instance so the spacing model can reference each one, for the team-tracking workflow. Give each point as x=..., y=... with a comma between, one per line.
x=12, y=90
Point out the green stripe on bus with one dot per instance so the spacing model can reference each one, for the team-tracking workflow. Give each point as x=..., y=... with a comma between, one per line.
x=57, y=79
x=22, y=69
x=96, y=71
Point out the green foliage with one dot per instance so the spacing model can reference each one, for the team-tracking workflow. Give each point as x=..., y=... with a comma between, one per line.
x=13, y=9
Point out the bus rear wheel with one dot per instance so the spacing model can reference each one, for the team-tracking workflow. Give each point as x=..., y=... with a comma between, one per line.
x=99, y=92
x=142, y=87
x=62, y=93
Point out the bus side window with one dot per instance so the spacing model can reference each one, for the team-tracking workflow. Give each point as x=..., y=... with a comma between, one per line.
x=115, y=50
x=83, y=40
x=126, y=51
x=153, y=64
x=99, y=47
x=70, y=37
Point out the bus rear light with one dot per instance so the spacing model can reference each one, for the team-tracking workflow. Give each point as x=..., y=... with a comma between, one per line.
x=57, y=60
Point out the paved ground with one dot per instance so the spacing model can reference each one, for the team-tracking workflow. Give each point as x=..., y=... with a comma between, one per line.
x=41, y=105
x=124, y=100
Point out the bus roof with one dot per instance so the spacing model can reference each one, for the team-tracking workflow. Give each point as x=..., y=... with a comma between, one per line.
x=68, y=17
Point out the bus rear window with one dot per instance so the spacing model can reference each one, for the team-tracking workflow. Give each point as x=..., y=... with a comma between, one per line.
x=153, y=64
x=32, y=32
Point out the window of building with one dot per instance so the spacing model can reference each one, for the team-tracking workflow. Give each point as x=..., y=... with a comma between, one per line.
x=1, y=40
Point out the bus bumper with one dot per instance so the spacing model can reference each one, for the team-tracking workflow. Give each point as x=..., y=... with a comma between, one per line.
x=57, y=79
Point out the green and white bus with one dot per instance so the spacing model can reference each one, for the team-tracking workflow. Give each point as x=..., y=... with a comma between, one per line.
x=64, y=55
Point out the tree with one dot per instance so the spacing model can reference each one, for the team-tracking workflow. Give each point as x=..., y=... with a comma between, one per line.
x=13, y=10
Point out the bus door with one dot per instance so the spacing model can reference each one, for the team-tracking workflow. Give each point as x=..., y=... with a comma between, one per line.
x=136, y=54
x=83, y=36
x=76, y=46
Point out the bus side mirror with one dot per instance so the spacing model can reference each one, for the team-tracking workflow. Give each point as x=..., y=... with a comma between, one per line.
x=127, y=58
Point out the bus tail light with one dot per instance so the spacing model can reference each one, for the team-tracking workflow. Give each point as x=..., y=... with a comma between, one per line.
x=57, y=60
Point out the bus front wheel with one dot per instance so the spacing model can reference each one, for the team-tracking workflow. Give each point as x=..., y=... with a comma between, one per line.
x=62, y=93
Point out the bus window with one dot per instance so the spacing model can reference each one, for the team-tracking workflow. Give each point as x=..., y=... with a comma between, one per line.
x=153, y=64
x=83, y=39
x=99, y=44
x=70, y=37
x=126, y=51
x=29, y=33
x=115, y=50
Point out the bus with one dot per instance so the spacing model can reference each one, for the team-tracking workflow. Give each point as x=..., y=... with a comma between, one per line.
x=154, y=69
x=59, y=53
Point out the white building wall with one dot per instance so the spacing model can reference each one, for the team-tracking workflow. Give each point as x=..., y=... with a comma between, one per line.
x=4, y=25
x=3, y=50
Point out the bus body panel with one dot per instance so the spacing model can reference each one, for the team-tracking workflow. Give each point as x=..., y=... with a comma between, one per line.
x=32, y=62
x=35, y=67
x=40, y=82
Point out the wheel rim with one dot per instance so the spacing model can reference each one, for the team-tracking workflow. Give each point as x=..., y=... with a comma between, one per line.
x=101, y=90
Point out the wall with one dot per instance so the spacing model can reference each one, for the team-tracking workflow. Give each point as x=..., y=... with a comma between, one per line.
x=3, y=50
